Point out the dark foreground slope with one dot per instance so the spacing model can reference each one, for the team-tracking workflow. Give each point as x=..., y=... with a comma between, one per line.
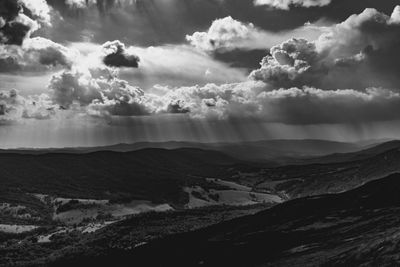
x=353, y=228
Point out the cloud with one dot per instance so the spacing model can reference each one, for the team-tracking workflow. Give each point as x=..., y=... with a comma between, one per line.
x=38, y=9
x=292, y=63
x=35, y=55
x=102, y=5
x=89, y=86
x=76, y=3
x=289, y=106
x=117, y=56
x=287, y=4
x=15, y=25
x=227, y=34
x=297, y=83
x=316, y=106
x=395, y=17
x=20, y=18
x=18, y=51
x=14, y=108
x=98, y=92
x=179, y=65
x=168, y=21
x=358, y=53
x=172, y=65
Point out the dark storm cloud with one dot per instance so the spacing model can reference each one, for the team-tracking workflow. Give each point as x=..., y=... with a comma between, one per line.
x=117, y=56
x=14, y=25
x=19, y=18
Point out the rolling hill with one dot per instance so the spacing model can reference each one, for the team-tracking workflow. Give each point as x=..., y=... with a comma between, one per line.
x=69, y=207
x=359, y=227
x=321, y=178
x=152, y=174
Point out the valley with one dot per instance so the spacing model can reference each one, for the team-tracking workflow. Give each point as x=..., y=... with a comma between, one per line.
x=98, y=205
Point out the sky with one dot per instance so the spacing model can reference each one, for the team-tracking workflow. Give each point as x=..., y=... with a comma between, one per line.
x=100, y=72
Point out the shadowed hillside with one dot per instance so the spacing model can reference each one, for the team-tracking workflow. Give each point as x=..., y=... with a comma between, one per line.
x=352, y=228
x=152, y=174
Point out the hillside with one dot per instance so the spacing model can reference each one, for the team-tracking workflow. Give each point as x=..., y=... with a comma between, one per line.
x=313, y=179
x=78, y=205
x=359, y=227
x=152, y=174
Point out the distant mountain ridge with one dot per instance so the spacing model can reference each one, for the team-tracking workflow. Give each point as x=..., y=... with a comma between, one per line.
x=279, y=151
x=358, y=155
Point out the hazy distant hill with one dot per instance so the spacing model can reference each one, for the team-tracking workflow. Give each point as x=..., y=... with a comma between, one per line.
x=358, y=155
x=266, y=151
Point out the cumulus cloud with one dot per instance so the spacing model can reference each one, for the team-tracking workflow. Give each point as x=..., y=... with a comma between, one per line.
x=98, y=92
x=358, y=53
x=89, y=86
x=291, y=106
x=287, y=4
x=223, y=32
x=116, y=55
x=18, y=51
x=229, y=34
x=35, y=54
x=361, y=52
x=38, y=9
x=395, y=17
x=292, y=63
x=297, y=82
x=14, y=107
